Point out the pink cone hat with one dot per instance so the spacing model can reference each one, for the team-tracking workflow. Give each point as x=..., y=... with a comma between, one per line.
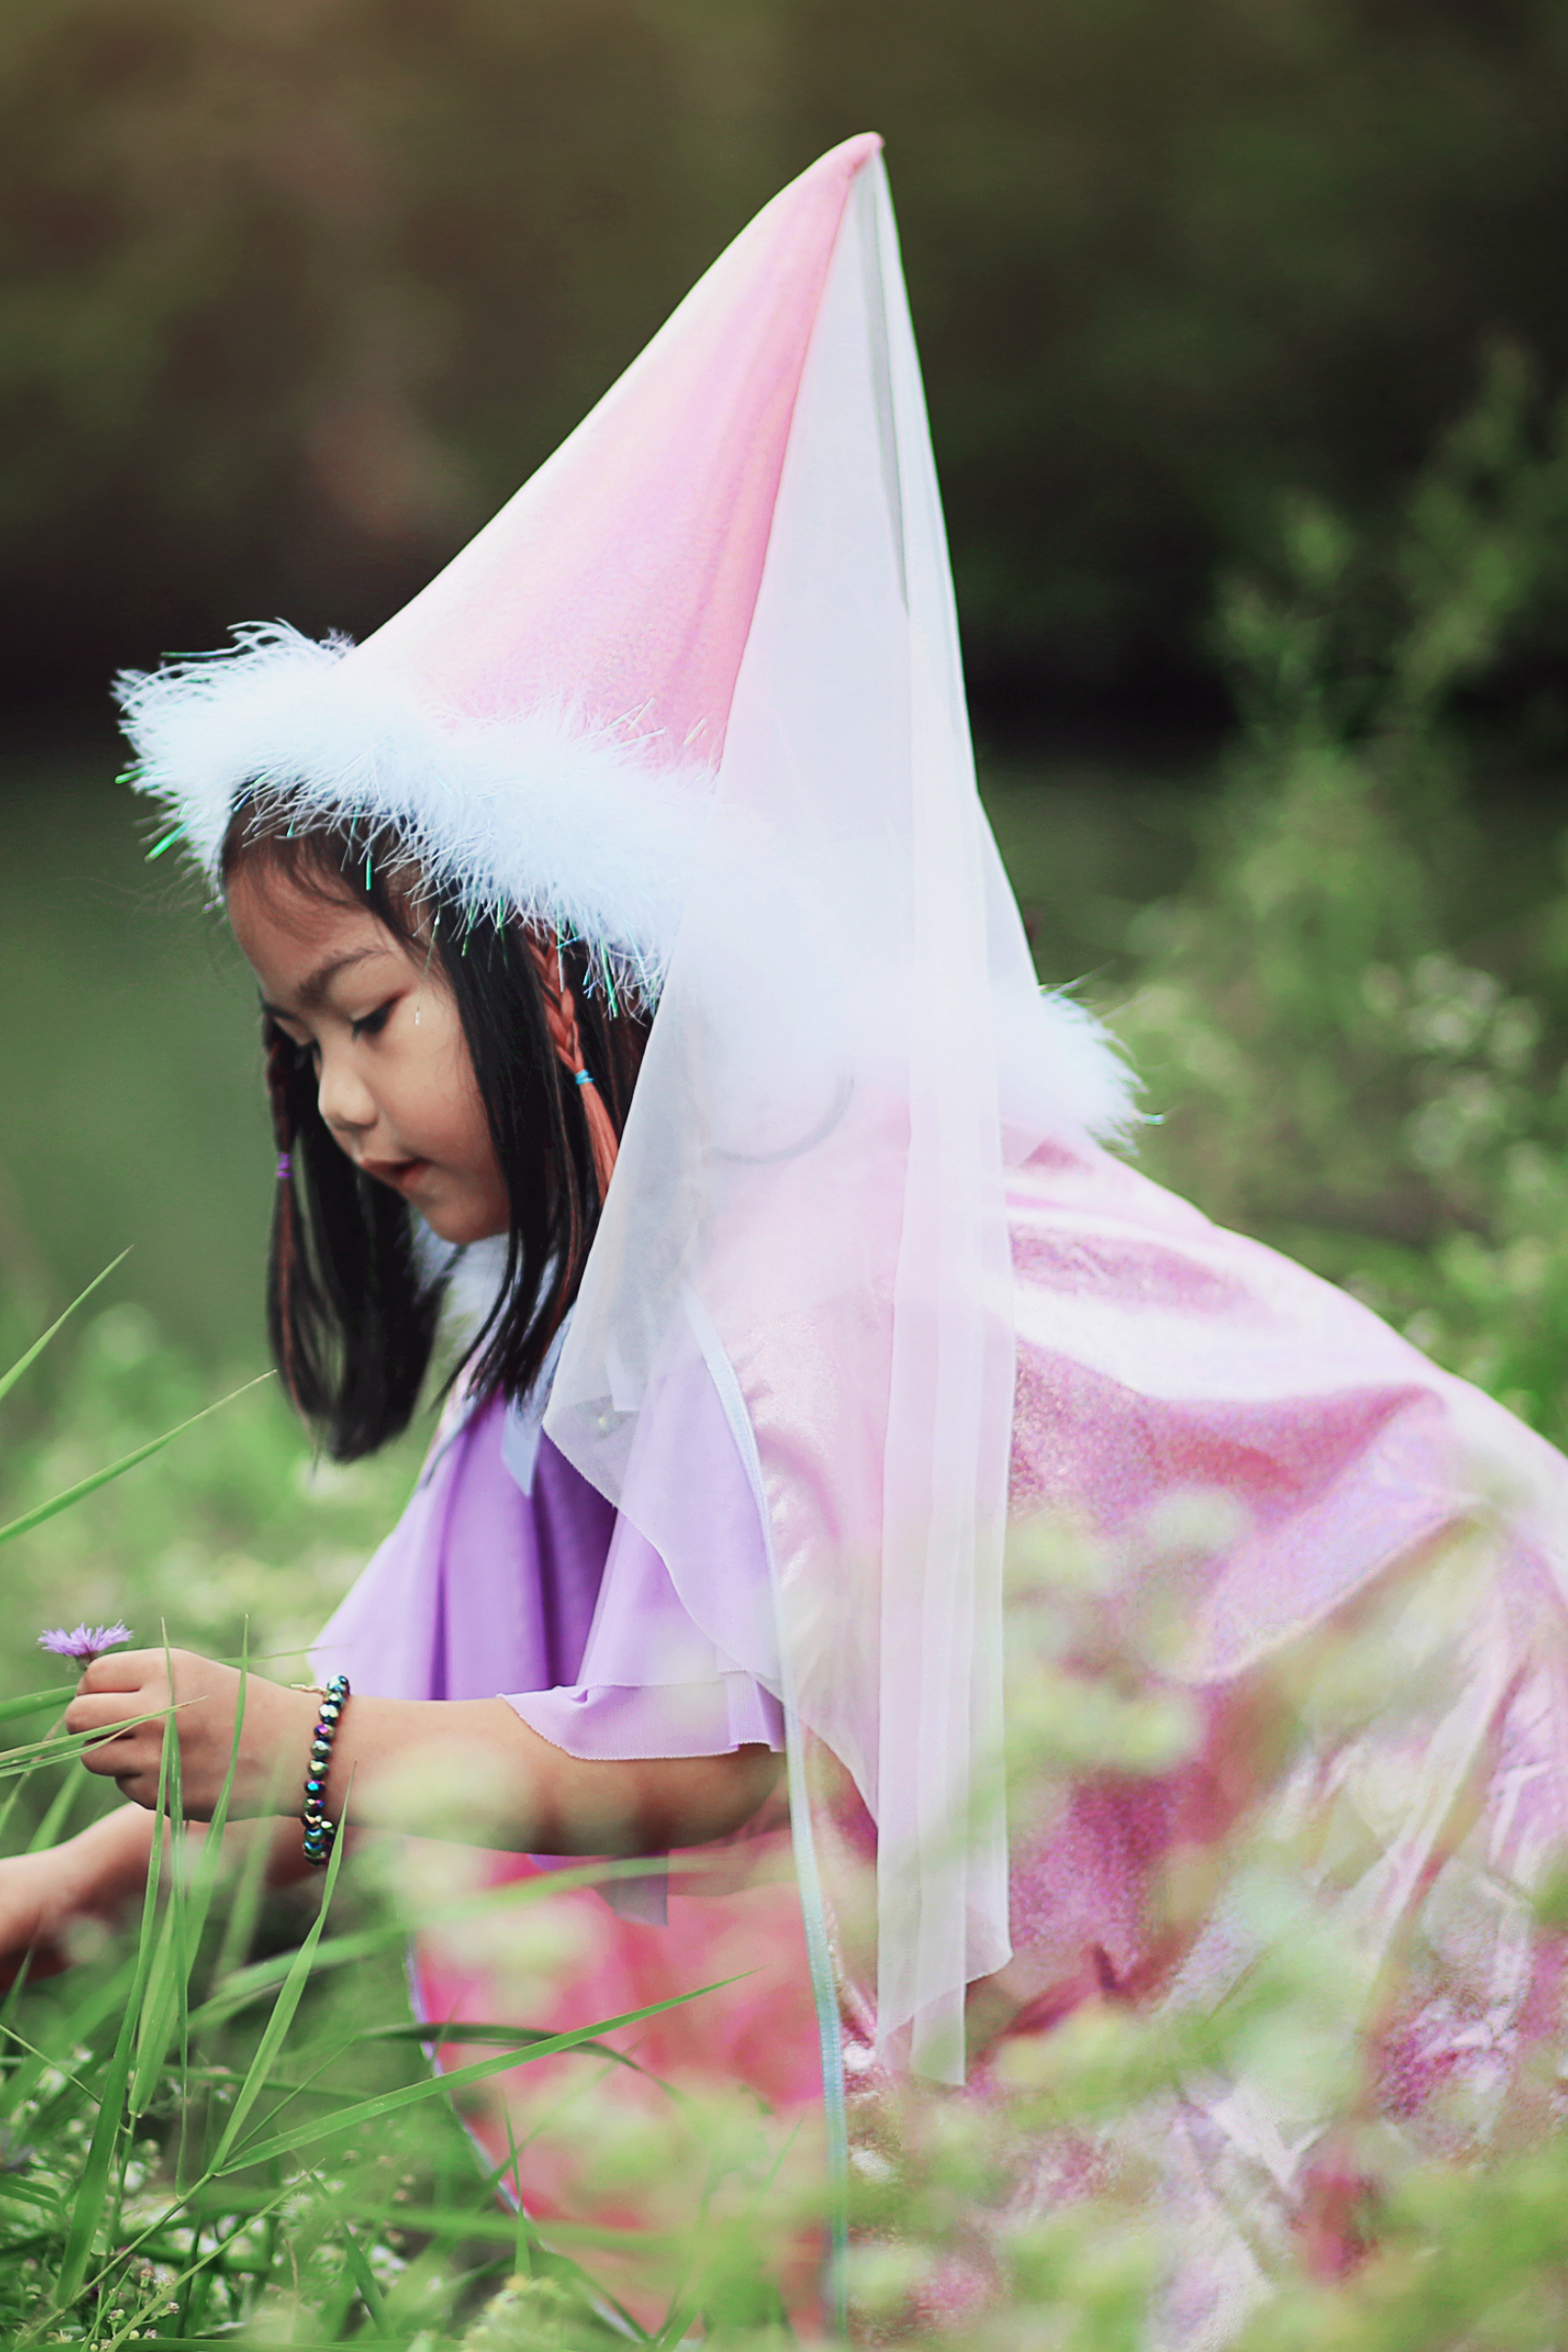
x=512, y=715
x=622, y=579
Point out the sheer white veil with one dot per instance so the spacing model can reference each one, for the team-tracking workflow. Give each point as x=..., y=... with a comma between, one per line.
x=850, y=1048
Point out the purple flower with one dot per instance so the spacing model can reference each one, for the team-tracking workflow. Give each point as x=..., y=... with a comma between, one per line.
x=87, y=1642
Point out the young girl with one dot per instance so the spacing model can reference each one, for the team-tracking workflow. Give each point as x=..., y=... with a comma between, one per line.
x=626, y=901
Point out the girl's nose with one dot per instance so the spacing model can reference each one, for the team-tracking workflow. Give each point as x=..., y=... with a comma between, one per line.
x=343, y=1099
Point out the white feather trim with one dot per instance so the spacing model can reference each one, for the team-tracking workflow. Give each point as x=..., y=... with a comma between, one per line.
x=561, y=822
x=564, y=823
x=1071, y=1062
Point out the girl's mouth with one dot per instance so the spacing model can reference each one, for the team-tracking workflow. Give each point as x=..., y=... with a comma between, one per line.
x=400, y=1174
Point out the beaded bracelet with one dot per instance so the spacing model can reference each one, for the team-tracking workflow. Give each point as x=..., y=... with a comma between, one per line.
x=320, y=1832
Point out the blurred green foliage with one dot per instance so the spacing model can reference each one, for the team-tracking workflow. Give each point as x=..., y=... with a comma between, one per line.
x=293, y=292
x=1355, y=1021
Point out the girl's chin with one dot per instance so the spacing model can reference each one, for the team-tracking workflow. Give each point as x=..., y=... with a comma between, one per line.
x=457, y=1210
x=460, y=1222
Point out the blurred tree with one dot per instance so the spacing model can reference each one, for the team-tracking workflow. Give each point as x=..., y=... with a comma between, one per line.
x=292, y=291
x=1164, y=259
x=255, y=254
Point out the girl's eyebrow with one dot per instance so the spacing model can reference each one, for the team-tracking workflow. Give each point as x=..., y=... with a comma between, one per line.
x=313, y=990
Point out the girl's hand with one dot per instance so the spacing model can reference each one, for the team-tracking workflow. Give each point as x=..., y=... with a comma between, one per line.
x=48, y=1900
x=36, y=1910
x=275, y=1741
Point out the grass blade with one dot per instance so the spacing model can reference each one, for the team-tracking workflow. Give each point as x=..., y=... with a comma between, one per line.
x=520, y=2037
x=284, y=2009
x=246, y=1895
x=101, y=1478
x=457, y=2032
x=524, y=2239
x=36, y=1702
x=365, y=2279
x=190, y=1894
x=499, y=2228
x=9, y=1380
x=370, y=2111
x=23, y=1775
x=20, y=1782
x=249, y=1983
x=62, y=1748
x=155, y=2023
x=92, y=2195
x=51, y=1829
x=204, y=1885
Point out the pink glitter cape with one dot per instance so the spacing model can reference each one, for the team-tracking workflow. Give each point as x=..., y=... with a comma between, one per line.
x=1222, y=1432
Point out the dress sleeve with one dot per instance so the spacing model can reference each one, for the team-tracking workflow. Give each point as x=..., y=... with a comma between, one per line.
x=509, y=1575
x=650, y=1683
x=662, y=1671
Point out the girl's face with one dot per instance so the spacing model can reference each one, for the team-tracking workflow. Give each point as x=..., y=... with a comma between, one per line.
x=397, y=1087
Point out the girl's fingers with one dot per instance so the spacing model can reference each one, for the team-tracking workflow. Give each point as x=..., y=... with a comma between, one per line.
x=100, y=1710
x=126, y=1670
x=115, y=1759
x=95, y=1708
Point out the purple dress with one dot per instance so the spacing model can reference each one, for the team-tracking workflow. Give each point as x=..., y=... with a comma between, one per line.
x=508, y=1575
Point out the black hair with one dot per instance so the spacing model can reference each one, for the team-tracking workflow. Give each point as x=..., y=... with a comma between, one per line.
x=352, y=1314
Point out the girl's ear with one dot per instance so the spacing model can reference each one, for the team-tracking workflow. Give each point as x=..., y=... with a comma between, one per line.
x=560, y=1012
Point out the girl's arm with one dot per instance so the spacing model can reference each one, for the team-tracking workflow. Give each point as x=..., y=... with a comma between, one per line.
x=98, y=1877
x=537, y=1798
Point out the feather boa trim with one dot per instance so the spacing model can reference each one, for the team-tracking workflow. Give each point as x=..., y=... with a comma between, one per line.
x=568, y=826
x=563, y=823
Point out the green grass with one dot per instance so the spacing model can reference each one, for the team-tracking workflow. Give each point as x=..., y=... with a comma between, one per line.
x=223, y=2116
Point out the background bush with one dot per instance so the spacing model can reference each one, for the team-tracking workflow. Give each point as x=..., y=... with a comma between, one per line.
x=1356, y=1019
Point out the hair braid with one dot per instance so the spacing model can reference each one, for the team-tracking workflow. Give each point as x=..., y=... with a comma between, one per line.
x=282, y=1079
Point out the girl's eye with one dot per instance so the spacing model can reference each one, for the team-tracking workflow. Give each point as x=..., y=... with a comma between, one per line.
x=373, y=1022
